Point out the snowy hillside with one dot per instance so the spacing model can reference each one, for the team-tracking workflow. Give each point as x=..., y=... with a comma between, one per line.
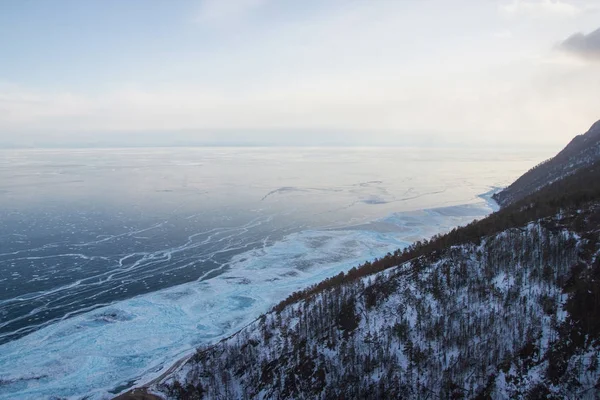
x=503, y=308
x=582, y=151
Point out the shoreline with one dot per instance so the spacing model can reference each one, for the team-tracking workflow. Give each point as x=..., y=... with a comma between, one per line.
x=184, y=317
x=141, y=392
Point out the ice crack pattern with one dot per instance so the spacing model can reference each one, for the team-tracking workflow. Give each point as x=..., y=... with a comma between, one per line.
x=99, y=291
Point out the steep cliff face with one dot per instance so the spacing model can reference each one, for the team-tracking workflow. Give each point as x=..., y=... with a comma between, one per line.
x=503, y=308
x=582, y=151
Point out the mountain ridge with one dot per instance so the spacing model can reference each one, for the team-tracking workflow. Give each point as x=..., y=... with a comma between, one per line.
x=583, y=150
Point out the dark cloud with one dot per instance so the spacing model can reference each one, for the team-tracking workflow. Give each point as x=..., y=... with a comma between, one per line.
x=584, y=46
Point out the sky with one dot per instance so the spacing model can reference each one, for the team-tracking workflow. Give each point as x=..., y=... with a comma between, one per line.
x=287, y=72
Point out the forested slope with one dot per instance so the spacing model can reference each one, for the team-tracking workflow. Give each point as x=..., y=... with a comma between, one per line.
x=506, y=307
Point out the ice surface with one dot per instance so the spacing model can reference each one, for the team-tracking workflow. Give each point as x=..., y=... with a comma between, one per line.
x=104, y=351
x=115, y=264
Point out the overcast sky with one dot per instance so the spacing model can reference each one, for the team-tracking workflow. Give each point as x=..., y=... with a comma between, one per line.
x=509, y=72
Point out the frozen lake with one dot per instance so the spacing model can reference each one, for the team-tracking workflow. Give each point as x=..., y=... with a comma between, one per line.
x=115, y=262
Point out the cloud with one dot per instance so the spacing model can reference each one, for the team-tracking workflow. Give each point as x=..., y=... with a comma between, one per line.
x=541, y=8
x=21, y=105
x=502, y=108
x=505, y=34
x=583, y=46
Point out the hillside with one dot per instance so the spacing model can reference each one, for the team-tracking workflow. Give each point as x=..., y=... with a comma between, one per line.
x=582, y=151
x=503, y=308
